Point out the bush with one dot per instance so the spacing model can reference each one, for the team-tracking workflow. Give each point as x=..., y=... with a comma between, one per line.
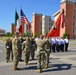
x=8, y=34
x=35, y=35
x=65, y=35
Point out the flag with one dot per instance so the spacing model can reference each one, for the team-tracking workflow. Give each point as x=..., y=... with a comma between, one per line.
x=23, y=17
x=16, y=17
x=55, y=30
x=24, y=20
x=19, y=26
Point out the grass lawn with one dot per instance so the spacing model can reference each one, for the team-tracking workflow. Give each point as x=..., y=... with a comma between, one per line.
x=4, y=38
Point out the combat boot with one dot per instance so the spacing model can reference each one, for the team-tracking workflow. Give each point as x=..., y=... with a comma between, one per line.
x=16, y=68
x=7, y=61
x=26, y=63
x=39, y=70
x=46, y=66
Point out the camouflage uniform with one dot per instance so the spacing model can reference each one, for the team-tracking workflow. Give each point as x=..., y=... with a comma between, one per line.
x=33, y=48
x=16, y=50
x=20, y=52
x=47, y=53
x=26, y=46
x=8, y=46
x=40, y=54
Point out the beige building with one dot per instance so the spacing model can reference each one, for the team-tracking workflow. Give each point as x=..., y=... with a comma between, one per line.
x=36, y=24
x=41, y=24
x=46, y=24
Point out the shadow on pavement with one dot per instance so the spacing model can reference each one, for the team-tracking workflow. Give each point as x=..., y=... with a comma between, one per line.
x=58, y=67
x=29, y=68
x=52, y=67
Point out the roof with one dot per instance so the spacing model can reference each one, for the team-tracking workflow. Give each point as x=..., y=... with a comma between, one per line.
x=56, y=13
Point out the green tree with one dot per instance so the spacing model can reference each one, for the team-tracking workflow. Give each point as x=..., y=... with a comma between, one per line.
x=35, y=35
x=8, y=34
x=65, y=35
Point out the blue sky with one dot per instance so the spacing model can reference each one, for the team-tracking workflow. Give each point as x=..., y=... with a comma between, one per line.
x=7, y=9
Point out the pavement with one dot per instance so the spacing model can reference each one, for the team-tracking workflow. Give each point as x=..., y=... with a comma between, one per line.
x=61, y=63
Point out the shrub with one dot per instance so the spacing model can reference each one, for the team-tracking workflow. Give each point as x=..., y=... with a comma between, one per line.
x=8, y=34
x=65, y=35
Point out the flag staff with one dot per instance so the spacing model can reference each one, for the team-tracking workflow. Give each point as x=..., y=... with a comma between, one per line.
x=22, y=23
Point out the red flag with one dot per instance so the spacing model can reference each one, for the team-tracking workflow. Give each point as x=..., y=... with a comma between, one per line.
x=20, y=29
x=55, y=30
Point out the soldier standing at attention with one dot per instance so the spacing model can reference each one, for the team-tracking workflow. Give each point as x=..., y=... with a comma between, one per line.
x=8, y=46
x=47, y=53
x=66, y=43
x=26, y=47
x=40, y=54
x=33, y=48
x=53, y=43
x=16, y=49
x=21, y=41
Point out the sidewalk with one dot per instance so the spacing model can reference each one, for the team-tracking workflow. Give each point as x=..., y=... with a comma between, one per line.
x=62, y=63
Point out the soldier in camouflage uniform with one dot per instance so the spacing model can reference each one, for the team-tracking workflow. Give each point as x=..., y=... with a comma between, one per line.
x=33, y=48
x=47, y=53
x=8, y=46
x=26, y=46
x=16, y=50
x=21, y=41
x=40, y=54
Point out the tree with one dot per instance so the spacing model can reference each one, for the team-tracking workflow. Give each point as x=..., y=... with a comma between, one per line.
x=65, y=35
x=8, y=34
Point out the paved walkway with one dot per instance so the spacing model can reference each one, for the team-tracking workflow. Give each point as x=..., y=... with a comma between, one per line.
x=62, y=63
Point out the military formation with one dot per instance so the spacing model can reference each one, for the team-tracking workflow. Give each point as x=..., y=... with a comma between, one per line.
x=41, y=47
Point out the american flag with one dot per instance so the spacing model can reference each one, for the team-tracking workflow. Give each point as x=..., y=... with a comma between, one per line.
x=23, y=18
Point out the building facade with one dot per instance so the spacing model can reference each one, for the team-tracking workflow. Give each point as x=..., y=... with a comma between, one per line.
x=2, y=32
x=46, y=24
x=36, y=24
x=13, y=28
x=41, y=24
x=69, y=7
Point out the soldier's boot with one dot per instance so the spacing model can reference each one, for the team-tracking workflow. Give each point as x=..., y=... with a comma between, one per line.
x=15, y=68
x=26, y=63
x=46, y=66
x=39, y=70
x=7, y=61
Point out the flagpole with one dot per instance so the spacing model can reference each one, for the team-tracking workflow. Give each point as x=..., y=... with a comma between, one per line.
x=22, y=24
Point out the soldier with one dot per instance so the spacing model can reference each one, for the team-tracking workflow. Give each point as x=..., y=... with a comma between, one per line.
x=16, y=50
x=33, y=48
x=53, y=43
x=40, y=54
x=47, y=53
x=26, y=46
x=66, y=43
x=8, y=46
x=21, y=41
x=62, y=44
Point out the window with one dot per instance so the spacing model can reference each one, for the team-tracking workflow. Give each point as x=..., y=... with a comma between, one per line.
x=73, y=30
x=73, y=23
x=75, y=10
x=49, y=28
x=49, y=19
x=73, y=17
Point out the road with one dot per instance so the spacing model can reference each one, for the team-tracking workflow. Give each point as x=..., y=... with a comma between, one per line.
x=62, y=63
